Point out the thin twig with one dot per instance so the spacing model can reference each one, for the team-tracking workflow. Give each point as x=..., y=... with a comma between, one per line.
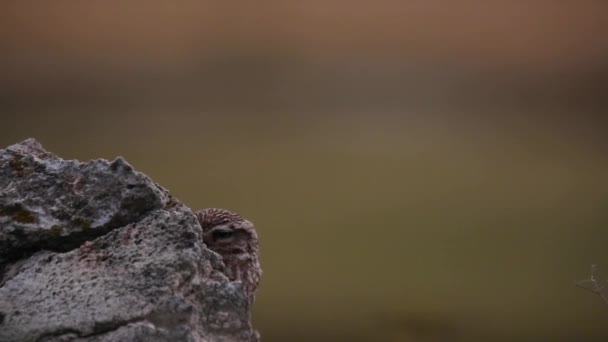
x=596, y=284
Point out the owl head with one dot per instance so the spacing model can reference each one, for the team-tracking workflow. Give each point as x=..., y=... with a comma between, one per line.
x=227, y=233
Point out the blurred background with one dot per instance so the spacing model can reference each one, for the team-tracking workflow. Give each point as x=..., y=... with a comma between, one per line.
x=417, y=170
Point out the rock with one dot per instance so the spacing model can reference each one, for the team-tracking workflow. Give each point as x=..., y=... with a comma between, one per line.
x=96, y=251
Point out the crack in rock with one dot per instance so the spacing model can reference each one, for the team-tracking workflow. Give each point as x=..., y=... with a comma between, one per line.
x=55, y=204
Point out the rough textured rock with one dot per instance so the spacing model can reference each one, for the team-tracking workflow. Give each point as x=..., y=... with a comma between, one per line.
x=96, y=251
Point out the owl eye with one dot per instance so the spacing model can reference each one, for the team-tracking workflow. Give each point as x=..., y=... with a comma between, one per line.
x=222, y=234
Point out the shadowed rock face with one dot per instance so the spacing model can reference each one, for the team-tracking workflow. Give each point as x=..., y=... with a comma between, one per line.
x=96, y=251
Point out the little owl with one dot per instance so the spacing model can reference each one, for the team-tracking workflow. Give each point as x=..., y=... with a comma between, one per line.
x=235, y=239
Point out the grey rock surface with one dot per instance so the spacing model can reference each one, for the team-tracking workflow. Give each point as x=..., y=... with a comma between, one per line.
x=96, y=251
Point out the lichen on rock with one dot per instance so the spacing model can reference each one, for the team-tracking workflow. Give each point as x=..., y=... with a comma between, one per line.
x=96, y=251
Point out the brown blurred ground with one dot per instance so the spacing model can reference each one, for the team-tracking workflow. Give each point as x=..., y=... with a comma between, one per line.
x=419, y=171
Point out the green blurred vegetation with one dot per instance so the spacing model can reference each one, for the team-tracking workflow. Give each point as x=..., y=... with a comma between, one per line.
x=372, y=224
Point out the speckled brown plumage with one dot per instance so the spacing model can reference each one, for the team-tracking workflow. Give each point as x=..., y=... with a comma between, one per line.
x=235, y=239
